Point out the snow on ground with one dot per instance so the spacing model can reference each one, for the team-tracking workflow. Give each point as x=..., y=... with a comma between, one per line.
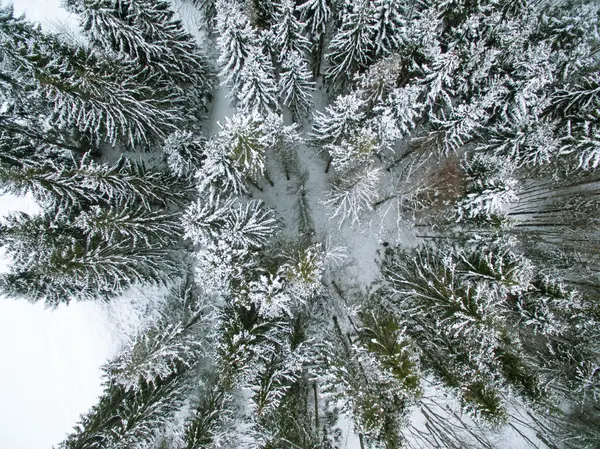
x=49, y=13
x=52, y=361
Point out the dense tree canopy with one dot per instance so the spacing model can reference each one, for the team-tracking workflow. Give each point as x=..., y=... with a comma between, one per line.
x=393, y=223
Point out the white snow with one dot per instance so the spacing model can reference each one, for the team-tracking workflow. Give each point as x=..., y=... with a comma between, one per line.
x=49, y=13
x=51, y=369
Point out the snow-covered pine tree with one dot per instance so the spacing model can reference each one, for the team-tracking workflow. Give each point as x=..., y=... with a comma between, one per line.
x=490, y=188
x=56, y=261
x=351, y=48
x=212, y=419
x=261, y=13
x=367, y=389
x=125, y=418
x=139, y=225
x=389, y=17
x=303, y=272
x=85, y=182
x=406, y=107
x=353, y=151
x=184, y=153
x=243, y=140
x=343, y=117
x=457, y=304
x=577, y=106
x=288, y=30
x=296, y=85
x=27, y=122
x=316, y=14
x=258, y=91
x=283, y=141
x=209, y=8
x=247, y=340
x=236, y=40
x=353, y=195
x=18, y=150
x=146, y=31
x=214, y=219
x=219, y=170
x=296, y=422
x=175, y=342
x=102, y=98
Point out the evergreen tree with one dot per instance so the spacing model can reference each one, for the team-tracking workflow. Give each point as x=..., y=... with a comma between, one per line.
x=149, y=34
x=85, y=182
x=99, y=96
x=284, y=141
x=141, y=226
x=174, y=343
x=354, y=151
x=56, y=262
x=210, y=425
x=351, y=47
x=129, y=418
x=342, y=118
x=184, y=153
x=209, y=8
x=489, y=189
x=258, y=89
x=353, y=195
x=241, y=225
x=220, y=170
x=389, y=17
x=296, y=85
x=376, y=396
x=317, y=14
x=244, y=139
x=460, y=308
x=288, y=30
x=236, y=40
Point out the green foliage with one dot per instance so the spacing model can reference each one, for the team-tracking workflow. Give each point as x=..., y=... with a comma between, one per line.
x=128, y=418
x=99, y=96
x=83, y=183
x=372, y=385
x=479, y=309
x=207, y=420
x=177, y=341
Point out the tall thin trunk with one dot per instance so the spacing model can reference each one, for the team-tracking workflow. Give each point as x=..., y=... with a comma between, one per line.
x=316, y=399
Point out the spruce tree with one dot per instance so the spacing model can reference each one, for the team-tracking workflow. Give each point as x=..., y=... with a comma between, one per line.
x=460, y=304
x=101, y=97
x=56, y=262
x=317, y=14
x=84, y=182
x=177, y=341
x=288, y=30
x=389, y=17
x=296, y=85
x=283, y=141
x=351, y=47
x=129, y=418
x=257, y=93
x=236, y=40
x=149, y=34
